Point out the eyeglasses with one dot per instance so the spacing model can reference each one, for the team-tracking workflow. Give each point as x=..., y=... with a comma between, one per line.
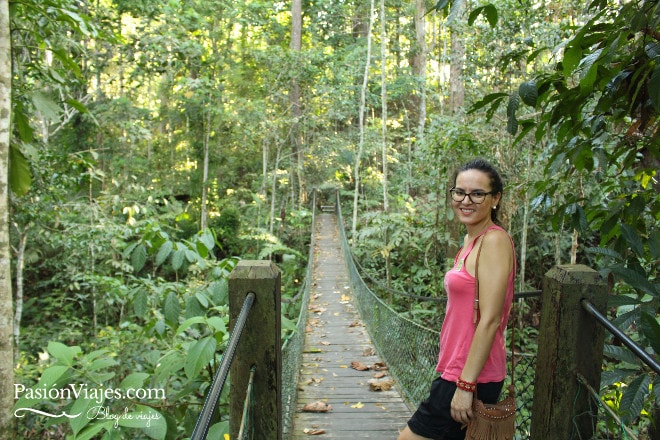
x=458, y=195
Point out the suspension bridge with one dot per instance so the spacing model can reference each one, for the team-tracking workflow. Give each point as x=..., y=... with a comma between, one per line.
x=354, y=367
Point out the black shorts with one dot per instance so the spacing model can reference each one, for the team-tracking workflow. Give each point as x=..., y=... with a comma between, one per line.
x=433, y=417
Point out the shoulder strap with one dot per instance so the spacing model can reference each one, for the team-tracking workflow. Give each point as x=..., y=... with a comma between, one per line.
x=475, y=316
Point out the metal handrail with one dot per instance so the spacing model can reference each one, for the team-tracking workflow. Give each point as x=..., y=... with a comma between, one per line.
x=210, y=404
x=625, y=339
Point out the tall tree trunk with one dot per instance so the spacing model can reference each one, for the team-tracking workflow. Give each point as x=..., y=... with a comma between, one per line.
x=363, y=104
x=205, y=172
x=296, y=107
x=6, y=310
x=456, y=102
x=457, y=60
x=383, y=100
x=419, y=65
x=18, y=304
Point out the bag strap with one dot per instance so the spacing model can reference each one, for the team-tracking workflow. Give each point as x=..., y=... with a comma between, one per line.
x=475, y=317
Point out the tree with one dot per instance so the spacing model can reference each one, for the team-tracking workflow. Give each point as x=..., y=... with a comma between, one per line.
x=6, y=310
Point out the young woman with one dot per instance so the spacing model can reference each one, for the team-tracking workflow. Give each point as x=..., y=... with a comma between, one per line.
x=472, y=350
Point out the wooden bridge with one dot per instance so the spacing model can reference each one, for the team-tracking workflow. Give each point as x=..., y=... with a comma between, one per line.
x=337, y=386
x=344, y=390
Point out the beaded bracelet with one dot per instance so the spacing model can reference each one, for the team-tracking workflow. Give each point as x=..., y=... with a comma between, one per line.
x=470, y=387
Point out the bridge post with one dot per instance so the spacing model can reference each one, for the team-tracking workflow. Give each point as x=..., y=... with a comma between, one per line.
x=570, y=342
x=260, y=346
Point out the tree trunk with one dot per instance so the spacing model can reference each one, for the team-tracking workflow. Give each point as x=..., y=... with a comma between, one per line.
x=18, y=305
x=6, y=310
x=383, y=100
x=296, y=108
x=363, y=104
x=419, y=65
x=457, y=60
x=205, y=173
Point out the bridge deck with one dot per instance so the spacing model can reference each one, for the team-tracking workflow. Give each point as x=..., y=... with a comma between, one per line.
x=335, y=339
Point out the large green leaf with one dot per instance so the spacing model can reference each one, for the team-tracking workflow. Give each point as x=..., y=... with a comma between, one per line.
x=20, y=176
x=164, y=252
x=650, y=328
x=633, y=397
x=172, y=308
x=64, y=354
x=139, y=257
x=146, y=418
x=199, y=355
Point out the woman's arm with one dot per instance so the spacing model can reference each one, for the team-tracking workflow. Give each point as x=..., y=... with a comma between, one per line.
x=495, y=266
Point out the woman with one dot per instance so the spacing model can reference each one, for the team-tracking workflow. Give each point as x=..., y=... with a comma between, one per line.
x=472, y=350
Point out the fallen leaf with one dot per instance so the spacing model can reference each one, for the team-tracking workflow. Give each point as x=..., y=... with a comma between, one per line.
x=313, y=431
x=369, y=351
x=359, y=366
x=318, y=406
x=380, y=385
x=354, y=324
x=379, y=375
x=358, y=405
x=379, y=366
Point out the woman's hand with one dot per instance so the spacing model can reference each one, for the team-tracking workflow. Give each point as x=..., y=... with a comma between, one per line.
x=461, y=406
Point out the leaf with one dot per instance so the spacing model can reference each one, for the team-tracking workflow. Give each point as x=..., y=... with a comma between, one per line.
x=489, y=11
x=188, y=323
x=171, y=308
x=20, y=176
x=151, y=421
x=138, y=257
x=82, y=407
x=133, y=380
x=63, y=353
x=650, y=328
x=633, y=397
x=199, y=355
x=358, y=405
x=511, y=109
x=46, y=106
x=621, y=354
x=528, y=93
x=316, y=407
x=632, y=238
x=140, y=303
x=164, y=252
x=177, y=259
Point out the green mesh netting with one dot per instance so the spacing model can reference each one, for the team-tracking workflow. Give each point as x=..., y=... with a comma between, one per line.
x=293, y=346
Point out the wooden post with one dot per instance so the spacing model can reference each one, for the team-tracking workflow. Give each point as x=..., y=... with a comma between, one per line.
x=570, y=342
x=260, y=346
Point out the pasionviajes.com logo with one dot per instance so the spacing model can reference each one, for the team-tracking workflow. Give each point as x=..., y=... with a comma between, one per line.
x=97, y=396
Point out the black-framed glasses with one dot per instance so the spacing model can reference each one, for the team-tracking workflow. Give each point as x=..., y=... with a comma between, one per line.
x=458, y=195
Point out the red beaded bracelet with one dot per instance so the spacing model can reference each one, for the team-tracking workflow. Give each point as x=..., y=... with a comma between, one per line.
x=470, y=387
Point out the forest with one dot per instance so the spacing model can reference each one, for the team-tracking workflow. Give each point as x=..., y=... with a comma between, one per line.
x=147, y=146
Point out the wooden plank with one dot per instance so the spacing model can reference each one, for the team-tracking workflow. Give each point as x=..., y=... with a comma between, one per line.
x=335, y=338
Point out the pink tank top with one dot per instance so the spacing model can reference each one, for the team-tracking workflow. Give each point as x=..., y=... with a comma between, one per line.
x=458, y=329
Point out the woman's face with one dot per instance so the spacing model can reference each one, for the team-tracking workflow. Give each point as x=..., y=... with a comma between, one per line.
x=474, y=182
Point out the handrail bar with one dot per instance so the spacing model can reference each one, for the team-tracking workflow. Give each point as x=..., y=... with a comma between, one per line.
x=625, y=339
x=210, y=404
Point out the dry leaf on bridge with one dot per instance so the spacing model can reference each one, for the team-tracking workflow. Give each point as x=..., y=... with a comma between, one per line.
x=318, y=406
x=309, y=431
x=359, y=366
x=380, y=385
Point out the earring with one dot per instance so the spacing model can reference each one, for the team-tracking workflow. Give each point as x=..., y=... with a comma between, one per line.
x=495, y=207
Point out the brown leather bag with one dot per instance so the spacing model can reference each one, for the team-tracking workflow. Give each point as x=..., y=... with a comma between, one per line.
x=492, y=421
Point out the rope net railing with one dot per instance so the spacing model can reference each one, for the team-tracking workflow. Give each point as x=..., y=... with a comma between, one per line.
x=410, y=350
x=292, y=348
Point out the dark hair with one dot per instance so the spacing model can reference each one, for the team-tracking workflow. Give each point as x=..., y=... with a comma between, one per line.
x=495, y=179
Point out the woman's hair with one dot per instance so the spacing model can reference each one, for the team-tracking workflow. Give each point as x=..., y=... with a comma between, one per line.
x=495, y=179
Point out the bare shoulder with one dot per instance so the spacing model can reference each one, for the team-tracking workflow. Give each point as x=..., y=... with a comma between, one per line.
x=498, y=244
